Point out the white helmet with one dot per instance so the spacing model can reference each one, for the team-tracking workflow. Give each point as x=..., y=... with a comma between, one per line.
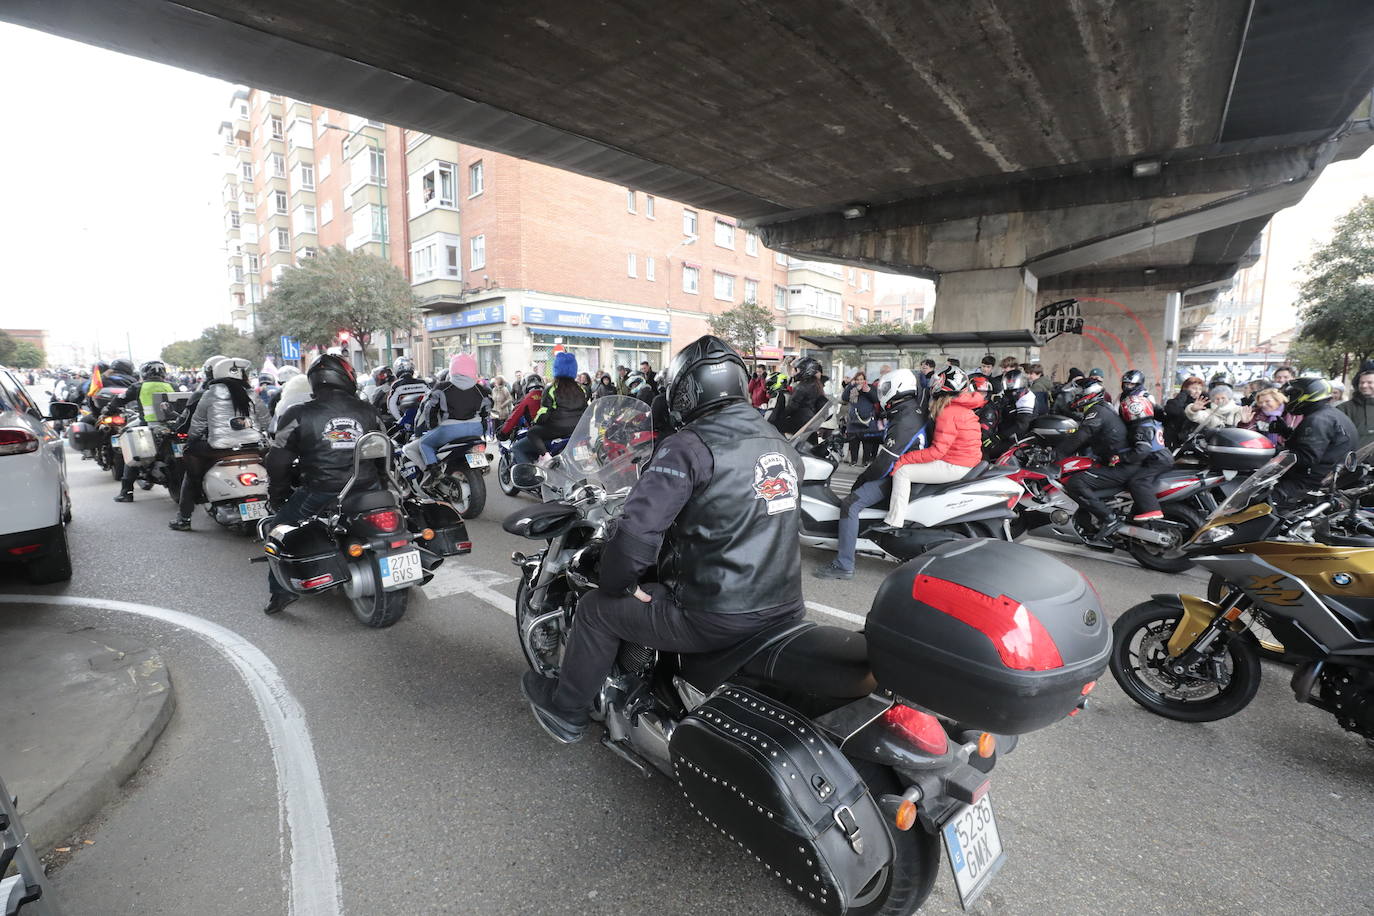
x=896, y=385
x=286, y=374
x=231, y=367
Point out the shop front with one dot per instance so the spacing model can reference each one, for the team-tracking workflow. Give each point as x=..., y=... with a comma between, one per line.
x=601, y=341
x=477, y=331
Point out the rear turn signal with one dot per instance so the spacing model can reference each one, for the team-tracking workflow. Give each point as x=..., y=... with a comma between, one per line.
x=906, y=815
x=355, y=550
x=987, y=744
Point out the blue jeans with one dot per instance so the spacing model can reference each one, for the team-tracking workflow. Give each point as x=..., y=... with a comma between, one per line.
x=870, y=494
x=443, y=435
x=525, y=452
x=302, y=504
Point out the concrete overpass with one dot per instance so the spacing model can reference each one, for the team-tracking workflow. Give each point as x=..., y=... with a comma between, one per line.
x=1018, y=151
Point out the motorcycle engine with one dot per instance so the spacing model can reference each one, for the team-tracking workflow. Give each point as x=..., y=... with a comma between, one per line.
x=1349, y=694
x=636, y=660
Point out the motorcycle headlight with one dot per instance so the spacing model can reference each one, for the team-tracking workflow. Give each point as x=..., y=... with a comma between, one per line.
x=1212, y=535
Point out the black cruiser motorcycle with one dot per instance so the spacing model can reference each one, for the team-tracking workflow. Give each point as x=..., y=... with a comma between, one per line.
x=839, y=761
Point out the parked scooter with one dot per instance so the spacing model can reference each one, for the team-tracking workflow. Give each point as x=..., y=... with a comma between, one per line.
x=979, y=505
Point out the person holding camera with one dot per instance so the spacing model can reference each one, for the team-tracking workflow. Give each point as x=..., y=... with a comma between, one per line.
x=861, y=418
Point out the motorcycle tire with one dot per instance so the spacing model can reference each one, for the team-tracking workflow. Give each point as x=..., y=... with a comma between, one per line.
x=523, y=613
x=1153, y=622
x=477, y=493
x=117, y=465
x=915, y=857
x=1269, y=646
x=381, y=608
x=503, y=477
x=1157, y=558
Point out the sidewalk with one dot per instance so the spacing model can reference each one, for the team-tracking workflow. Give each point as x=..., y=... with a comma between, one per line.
x=79, y=710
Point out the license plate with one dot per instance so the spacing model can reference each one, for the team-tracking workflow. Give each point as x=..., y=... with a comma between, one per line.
x=400, y=569
x=477, y=460
x=177, y=450
x=251, y=510
x=974, y=848
x=114, y=440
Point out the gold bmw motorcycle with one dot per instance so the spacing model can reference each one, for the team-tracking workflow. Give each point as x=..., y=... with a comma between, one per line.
x=1198, y=660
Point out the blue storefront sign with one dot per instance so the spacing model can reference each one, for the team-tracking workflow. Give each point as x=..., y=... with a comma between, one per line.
x=596, y=321
x=491, y=314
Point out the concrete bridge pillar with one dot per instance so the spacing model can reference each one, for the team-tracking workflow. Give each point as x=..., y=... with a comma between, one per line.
x=992, y=299
x=1122, y=329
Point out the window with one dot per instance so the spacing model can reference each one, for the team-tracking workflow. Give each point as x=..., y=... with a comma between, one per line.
x=234, y=219
x=780, y=259
x=851, y=276
x=280, y=198
x=305, y=219
x=236, y=275
x=629, y=201
x=725, y=287
x=632, y=265
x=252, y=263
x=751, y=290
x=725, y=234
x=438, y=185
x=307, y=181
x=863, y=315
x=649, y=205
x=435, y=256
x=780, y=298
x=243, y=109
x=250, y=233
x=283, y=241
x=326, y=212
x=275, y=123
x=649, y=269
x=246, y=169
x=453, y=266
x=851, y=313
x=689, y=222
x=477, y=253
x=863, y=280
x=377, y=165
x=477, y=182
x=691, y=277
x=325, y=166
x=278, y=162
x=305, y=254
x=751, y=244
x=380, y=225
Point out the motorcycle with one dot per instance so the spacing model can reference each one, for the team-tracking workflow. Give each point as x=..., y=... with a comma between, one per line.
x=979, y=505
x=1185, y=495
x=373, y=544
x=155, y=452
x=820, y=751
x=461, y=481
x=1198, y=660
x=505, y=462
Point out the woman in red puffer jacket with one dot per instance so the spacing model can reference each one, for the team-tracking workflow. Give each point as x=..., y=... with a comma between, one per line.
x=957, y=445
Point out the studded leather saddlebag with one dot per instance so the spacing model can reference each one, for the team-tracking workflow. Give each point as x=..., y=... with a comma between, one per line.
x=767, y=779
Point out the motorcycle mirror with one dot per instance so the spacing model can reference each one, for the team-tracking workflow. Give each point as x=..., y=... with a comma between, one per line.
x=1349, y=462
x=62, y=410
x=527, y=476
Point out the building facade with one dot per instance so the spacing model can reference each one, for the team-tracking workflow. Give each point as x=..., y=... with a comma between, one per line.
x=508, y=258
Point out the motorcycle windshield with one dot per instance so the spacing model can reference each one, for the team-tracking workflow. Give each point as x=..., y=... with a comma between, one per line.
x=612, y=440
x=1258, y=482
x=815, y=423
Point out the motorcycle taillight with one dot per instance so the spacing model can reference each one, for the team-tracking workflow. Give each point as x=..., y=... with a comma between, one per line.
x=384, y=520
x=924, y=730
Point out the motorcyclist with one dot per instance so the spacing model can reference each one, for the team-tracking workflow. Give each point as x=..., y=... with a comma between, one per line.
x=382, y=378
x=295, y=390
x=404, y=387
x=118, y=374
x=321, y=435
x=268, y=389
x=1013, y=411
x=1102, y=433
x=716, y=512
x=184, y=423
x=1145, y=451
x=456, y=408
x=153, y=382
x=899, y=394
x=525, y=409
x=284, y=375
x=806, y=397
x=227, y=417
x=1320, y=442
x=559, y=410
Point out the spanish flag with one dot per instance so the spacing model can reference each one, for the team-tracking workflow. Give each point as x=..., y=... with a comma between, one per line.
x=96, y=383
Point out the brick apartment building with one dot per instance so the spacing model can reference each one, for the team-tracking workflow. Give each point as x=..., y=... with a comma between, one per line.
x=508, y=258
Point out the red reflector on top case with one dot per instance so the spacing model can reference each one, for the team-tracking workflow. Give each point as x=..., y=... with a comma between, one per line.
x=1018, y=635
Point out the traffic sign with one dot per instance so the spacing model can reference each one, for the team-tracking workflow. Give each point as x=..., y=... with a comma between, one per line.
x=290, y=348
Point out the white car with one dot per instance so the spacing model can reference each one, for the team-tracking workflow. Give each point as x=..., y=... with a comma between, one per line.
x=33, y=484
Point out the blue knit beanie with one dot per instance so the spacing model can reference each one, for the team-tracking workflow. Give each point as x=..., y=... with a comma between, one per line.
x=564, y=365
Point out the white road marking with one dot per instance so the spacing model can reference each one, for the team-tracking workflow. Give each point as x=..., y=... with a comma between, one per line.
x=456, y=578
x=306, y=839
x=836, y=612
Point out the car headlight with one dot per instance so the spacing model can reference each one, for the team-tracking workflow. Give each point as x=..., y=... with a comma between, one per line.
x=1212, y=535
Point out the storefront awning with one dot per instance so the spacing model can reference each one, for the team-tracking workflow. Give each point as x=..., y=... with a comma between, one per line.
x=596, y=335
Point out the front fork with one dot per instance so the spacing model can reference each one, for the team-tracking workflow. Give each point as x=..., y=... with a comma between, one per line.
x=1204, y=628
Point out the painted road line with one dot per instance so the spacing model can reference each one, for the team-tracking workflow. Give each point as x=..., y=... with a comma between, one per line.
x=477, y=581
x=306, y=840
x=836, y=612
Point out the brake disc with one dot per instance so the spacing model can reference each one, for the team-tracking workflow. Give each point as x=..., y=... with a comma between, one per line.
x=1154, y=657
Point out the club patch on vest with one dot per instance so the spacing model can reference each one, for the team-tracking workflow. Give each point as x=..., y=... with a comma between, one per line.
x=775, y=482
x=342, y=432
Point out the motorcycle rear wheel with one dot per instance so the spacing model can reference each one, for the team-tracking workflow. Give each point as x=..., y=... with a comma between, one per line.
x=503, y=477
x=477, y=493
x=381, y=608
x=1139, y=649
x=117, y=465
x=915, y=855
x=1163, y=559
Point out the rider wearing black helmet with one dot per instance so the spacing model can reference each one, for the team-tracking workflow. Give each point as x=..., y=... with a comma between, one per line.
x=320, y=434
x=153, y=382
x=1101, y=432
x=1321, y=441
x=1013, y=411
x=384, y=378
x=716, y=511
x=806, y=396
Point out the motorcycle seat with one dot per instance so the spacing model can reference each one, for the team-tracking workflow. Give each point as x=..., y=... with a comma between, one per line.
x=708, y=670
x=978, y=470
x=825, y=661
x=367, y=500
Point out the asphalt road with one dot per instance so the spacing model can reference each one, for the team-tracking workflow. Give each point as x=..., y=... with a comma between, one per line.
x=444, y=797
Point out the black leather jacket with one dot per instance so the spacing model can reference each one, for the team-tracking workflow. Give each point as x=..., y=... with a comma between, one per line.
x=321, y=435
x=1101, y=431
x=1320, y=443
x=906, y=419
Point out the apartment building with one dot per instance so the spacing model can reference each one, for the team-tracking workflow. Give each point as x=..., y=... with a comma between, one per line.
x=508, y=258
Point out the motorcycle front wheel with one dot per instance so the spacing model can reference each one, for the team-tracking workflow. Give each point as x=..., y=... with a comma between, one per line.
x=905, y=885
x=381, y=608
x=503, y=476
x=543, y=647
x=1139, y=661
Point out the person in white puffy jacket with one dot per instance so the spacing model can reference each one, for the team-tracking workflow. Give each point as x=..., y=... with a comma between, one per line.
x=1219, y=408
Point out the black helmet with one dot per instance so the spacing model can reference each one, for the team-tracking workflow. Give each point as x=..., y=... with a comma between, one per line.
x=706, y=374
x=102, y=365
x=533, y=383
x=949, y=380
x=1304, y=394
x=1014, y=380
x=330, y=371
x=404, y=367
x=1132, y=381
x=383, y=375
x=122, y=366
x=806, y=367
x=1085, y=395
x=154, y=370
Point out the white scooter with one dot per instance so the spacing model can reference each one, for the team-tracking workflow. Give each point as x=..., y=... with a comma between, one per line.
x=977, y=506
x=236, y=490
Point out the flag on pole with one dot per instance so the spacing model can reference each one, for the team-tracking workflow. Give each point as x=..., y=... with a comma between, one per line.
x=96, y=383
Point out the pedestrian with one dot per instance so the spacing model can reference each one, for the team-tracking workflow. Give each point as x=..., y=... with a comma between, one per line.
x=1283, y=375
x=1360, y=407
x=1177, y=426
x=604, y=386
x=927, y=372
x=622, y=380
x=502, y=400
x=860, y=400
x=758, y=388
x=585, y=381
x=1216, y=410
x=517, y=385
x=1040, y=386
x=1269, y=415
x=648, y=372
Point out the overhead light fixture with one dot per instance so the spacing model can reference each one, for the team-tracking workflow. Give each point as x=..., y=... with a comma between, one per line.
x=855, y=211
x=1150, y=271
x=1146, y=168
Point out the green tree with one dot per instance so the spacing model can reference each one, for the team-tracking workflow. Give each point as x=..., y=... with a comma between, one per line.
x=7, y=346
x=1336, y=301
x=29, y=355
x=338, y=290
x=910, y=358
x=744, y=327
x=184, y=353
x=227, y=340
